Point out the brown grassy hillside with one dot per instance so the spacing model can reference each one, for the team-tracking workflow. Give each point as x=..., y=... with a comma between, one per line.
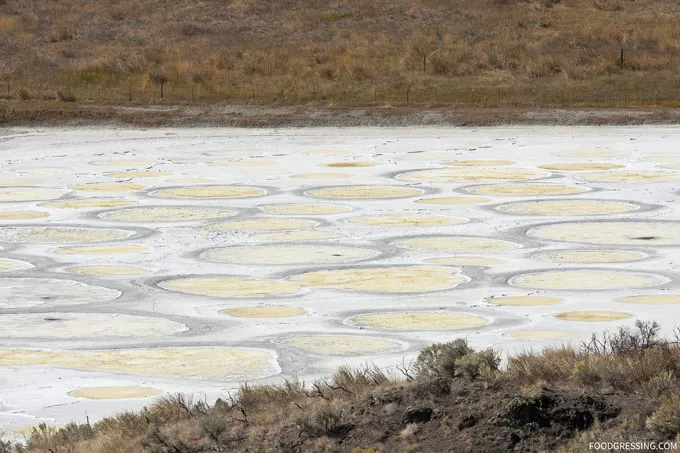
x=619, y=387
x=345, y=52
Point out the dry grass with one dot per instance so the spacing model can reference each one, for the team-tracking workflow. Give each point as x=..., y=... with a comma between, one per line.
x=632, y=379
x=351, y=52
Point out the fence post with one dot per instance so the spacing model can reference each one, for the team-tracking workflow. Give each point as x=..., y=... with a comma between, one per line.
x=408, y=90
x=375, y=95
x=622, y=57
x=130, y=92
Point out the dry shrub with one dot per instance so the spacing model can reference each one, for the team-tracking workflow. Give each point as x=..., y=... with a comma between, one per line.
x=551, y=365
x=66, y=97
x=666, y=419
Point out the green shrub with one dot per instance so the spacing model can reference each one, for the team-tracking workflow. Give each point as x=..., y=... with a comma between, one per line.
x=478, y=365
x=438, y=361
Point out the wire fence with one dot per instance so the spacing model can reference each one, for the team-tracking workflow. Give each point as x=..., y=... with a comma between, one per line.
x=139, y=92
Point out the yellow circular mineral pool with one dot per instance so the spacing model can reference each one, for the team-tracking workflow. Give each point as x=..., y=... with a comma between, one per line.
x=206, y=192
x=530, y=189
x=230, y=287
x=263, y=224
x=340, y=344
x=384, y=279
x=61, y=235
x=114, y=393
x=420, y=320
x=22, y=215
x=89, y=203
x=465, y=260
x=265, y=311
x=109, y=270
x=631, y=176
x=165, y=214
x=18, y=194
x=589, y=256
x=289, y=254
x=567, y=207
x=222, y=364
x=581, y=166
x=593, y=316
x=305, y=209
x=108, y=187
x=407, y=220
x=350, y=164
x=464, y=175
x=102, y=250
x=479, y=163
x=652, y=299
x=524, y=301
x=586, y=280
x=10, y=265
x=364, y=192
x=456, y=244
x=611, y=233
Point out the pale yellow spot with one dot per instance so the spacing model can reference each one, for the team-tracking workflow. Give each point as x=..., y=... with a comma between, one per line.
x=289, y=254
x=9, y=265
x=611, y=233
x=471, y=175
x=672, y=167
x=10, y=194
x=350, y=164
x=384, y=279
x=532, y=189
x=138, y=174
x=322, y=176
x=524, y=301
x=424, y=320
x=456, y=244
x=17, y=182
x=631, y=176
x=106, y=270
x=200, y=192
x=261, y=225
x=114, y=393
x=593, y=316
x=479, y=163
x=126, y=163
x=305, y=209
x=340, y=344
x=454, y=200
x=364, y=192
x=589, y=256
x=656, y=299
x=586, y=279
x=58, y=235
x=285, y=236
x=567, y=207
x=22, y=215
x=407, y=220
x=206, y=363
x=102, y=250
x=540, y=335
x=89, y=203
x=466, y=261
x=108, y=187
x=267, y=311
x=675, y=159
x=231, y=287
x=166, y=214
x=581, y=166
